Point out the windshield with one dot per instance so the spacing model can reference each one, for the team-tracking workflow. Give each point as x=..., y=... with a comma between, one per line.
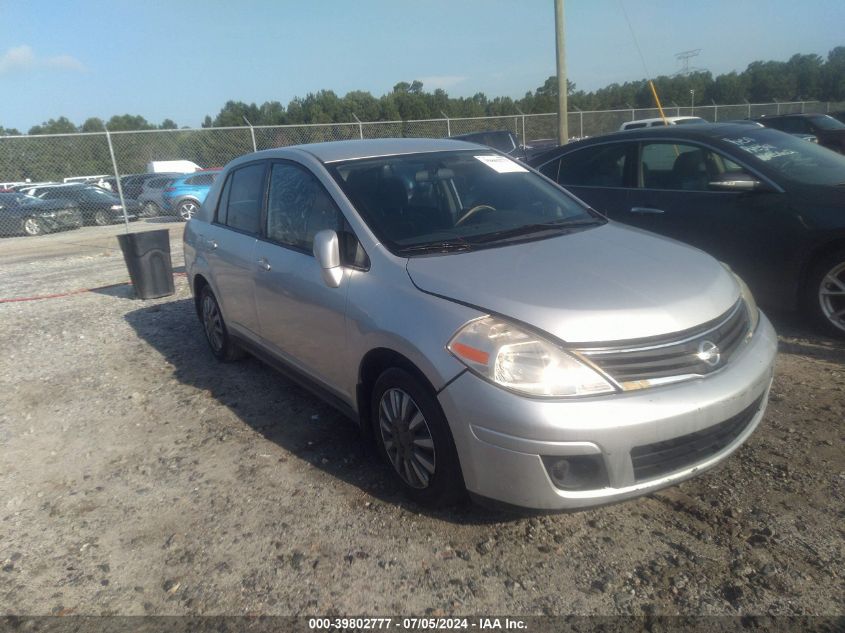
x=17, y=198
x=96, y=192
x=791, y=156
x=430, y=202
x=826, y=122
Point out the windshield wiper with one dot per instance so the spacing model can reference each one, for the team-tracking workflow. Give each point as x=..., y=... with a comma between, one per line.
x=450, y=246
x=561, y=226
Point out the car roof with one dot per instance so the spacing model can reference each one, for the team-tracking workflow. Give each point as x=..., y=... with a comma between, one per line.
x=792, y=115
x=700, y=132
x=335, y=151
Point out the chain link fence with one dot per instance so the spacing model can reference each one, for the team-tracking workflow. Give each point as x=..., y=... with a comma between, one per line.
x=49, y=165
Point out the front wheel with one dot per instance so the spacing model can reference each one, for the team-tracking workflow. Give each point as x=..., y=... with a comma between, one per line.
x=825, y=294
x=216, y=332
x=413, y=436
x=187, y=209
x=33, y=226
x=102, y=218
x=150, y=210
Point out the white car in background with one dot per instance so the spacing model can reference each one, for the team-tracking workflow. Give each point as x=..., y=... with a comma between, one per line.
x=658, y=121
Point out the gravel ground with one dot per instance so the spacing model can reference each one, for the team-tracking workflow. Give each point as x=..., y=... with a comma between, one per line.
x=139, y=476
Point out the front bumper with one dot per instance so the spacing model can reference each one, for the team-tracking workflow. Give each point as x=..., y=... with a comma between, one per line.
x=502, y=437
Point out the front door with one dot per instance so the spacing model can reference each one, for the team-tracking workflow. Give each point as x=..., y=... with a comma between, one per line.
x=673, y=197
x=301, y=318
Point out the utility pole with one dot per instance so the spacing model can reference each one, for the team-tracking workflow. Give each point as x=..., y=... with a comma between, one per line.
x=562, y=114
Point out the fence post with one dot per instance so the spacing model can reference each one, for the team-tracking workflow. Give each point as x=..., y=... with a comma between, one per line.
x=360, y=127
x=748, y=103
x=715, y=111
x=448, y=125
x=117, y=178
x=252, y=132
x=522, y=114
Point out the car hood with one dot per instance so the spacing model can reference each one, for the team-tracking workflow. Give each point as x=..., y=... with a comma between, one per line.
x=610, y=283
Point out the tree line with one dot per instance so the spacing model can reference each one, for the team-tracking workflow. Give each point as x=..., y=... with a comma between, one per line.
x=802, y=78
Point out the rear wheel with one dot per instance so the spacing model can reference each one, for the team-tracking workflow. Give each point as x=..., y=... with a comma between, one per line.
x=413, y=436
x=187, y=209
x=216, y=332
x=825, y=294
x=33, y=226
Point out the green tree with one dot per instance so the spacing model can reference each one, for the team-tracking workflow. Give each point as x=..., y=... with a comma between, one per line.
x=54, y=126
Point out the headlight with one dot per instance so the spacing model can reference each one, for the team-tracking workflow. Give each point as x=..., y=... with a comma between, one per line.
x=51, y=214
x=753, y=312
x=116, y=207
x=750, y=303
x=516, y=359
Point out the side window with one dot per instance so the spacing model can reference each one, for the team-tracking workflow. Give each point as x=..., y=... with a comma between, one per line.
x=298, y=207
x=794, y=126
x=680, y=167
x=243, y=208
x=223, y=203
x=550, y=169
x=598, y=166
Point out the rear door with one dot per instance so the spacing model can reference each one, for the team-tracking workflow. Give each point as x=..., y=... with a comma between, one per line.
x=229, y=244
x=600, y=175
x=301, y=318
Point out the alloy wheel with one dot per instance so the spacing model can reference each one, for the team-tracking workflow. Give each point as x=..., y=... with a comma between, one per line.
x=406, y=438
x=187, y=209
x=31, y=226
x=212, y=322
x=832, y=296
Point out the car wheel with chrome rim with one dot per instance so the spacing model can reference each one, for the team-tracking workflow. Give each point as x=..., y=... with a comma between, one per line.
x=32, y=226
x=187, y=209
x=413, y=436
x=215, y=329
x=826, y=294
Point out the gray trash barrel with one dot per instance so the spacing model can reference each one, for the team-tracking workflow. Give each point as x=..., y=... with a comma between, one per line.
x=147, y=256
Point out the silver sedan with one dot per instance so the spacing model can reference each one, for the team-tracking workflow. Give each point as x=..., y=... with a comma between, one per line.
x=487, y=330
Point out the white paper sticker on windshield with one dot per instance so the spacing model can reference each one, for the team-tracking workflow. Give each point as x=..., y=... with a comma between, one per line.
x=501, y=164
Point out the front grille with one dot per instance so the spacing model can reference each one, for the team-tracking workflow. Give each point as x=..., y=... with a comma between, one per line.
x=661, y=458
x=694, y=352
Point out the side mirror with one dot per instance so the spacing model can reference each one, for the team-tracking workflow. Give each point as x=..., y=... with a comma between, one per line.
x=327, y=253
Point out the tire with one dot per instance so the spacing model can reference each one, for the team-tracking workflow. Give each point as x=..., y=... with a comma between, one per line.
x=102, y=218
x=150, y=210
x=216, y=332
x=33, y=226
x=187, y=209
x=423, y=458
x=825, y=294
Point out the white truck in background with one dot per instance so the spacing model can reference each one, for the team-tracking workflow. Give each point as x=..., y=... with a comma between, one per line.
x=172, y=166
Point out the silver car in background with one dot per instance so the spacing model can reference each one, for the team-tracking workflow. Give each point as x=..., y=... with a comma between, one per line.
x=487, y=330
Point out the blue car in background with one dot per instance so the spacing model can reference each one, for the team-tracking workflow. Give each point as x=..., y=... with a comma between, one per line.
x=185, y=194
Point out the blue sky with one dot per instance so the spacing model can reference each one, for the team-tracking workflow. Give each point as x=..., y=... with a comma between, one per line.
x=184, y=59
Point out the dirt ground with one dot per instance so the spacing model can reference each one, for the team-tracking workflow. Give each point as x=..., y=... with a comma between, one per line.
x=140, y=476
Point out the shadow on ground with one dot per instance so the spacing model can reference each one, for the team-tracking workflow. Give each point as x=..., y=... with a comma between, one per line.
x=281, y=411
x=796, y=336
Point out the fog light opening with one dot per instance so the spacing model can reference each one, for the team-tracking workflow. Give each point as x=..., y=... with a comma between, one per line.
x=578, y=472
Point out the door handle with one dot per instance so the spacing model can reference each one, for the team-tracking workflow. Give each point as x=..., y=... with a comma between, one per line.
x=264, y=264
x=647, y=211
